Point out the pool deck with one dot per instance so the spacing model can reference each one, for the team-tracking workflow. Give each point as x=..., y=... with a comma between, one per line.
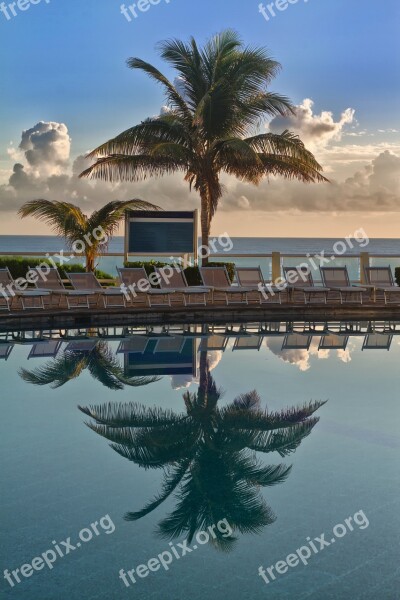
x=50, y=318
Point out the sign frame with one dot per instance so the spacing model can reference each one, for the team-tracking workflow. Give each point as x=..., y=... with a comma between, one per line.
x=131, y=215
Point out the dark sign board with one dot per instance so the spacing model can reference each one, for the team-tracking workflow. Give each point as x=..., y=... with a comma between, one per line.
x=176, y=356
x=161, y=233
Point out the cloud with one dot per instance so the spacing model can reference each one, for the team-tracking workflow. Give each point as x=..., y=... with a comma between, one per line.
x=316, y=131
x=46, y=147
x=301, y=358
x=373, y=188
x=43, y=169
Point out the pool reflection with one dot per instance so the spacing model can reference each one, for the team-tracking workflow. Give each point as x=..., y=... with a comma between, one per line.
x=208, y=454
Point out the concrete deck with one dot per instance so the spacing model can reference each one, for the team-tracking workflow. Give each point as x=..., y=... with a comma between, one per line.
x=213, y=314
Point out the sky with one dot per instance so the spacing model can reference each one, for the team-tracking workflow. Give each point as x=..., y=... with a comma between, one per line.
x=65, y=88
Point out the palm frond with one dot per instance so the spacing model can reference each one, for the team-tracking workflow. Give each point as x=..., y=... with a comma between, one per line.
x=133, y=168
x=174, y=98
x=58, y=372
x=131, y=414
x=171, y=481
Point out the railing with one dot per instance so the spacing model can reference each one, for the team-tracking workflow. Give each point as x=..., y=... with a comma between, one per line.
x=270, y=263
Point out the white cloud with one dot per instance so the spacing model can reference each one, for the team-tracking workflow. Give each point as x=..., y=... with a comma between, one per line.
x=301, y=358
x=46, y=147
x=315, y=130
x=375, y=187
x=42, y=169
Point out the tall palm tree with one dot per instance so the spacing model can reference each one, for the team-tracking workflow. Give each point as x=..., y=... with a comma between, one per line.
x=99, y=361
x=91, y=233
x=211, y=124
x=208, y=455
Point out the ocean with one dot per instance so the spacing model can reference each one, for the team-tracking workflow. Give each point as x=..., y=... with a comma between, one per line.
x=387, y=249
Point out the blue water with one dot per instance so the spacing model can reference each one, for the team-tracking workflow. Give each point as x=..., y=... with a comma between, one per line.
x=58, y=476
x=287, y=246
x=250, y=245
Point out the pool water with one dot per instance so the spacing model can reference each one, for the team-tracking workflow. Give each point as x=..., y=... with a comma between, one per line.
x=212, y=422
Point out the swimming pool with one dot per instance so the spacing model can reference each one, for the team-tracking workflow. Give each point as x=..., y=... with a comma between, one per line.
x=245, y=462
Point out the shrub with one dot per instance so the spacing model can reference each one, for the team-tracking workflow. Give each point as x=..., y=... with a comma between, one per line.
x=192, y=274
x=397, y=275
x=20, y=265
x=148, y=265
x=230, y=267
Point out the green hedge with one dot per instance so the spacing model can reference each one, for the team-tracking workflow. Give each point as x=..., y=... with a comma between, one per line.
x=192, y=274
x=19, y=267
x=397, y=275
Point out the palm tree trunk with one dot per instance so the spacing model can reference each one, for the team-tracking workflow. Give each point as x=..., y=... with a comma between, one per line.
x=90, y=258
x=205, y=227
x=203, y=372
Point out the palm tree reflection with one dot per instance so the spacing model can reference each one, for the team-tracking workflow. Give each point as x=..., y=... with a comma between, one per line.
x=209, y=455
x=100, y=362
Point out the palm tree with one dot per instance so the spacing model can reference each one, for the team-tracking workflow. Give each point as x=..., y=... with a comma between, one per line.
x=208, y=455
x=87, y=235
x=211, y=124
x=99, y=361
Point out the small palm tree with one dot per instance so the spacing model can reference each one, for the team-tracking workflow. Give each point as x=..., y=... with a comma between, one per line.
x=88, y=235
x=99, y=361
x=211, y=125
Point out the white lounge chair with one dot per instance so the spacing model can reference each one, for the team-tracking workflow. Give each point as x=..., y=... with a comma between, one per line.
x=381, y=279
x=138, y=287
x=10, y=290
x=45, y=349
x=377, y=341
x=300, y=279
x=52, y=282
x=214, y=342
x=337, y=279
x=88, y=282
x=217, y=278
x=252, y=277
x=133, y=345
x=248, y=342
x=333, y=341
x=176, y=281
x=5, y=351
x=82, y=346
x=296, y=341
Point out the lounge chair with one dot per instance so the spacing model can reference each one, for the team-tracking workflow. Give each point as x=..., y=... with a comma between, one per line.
x=10, y=290
x=296, y=341
x=137, y=285
x=333, y=341
x=88, y=283
x=176, y=281
x=337, y=279
x=252, y=277
x=271, y=328
x=45, y=349
x=133, y=345
x=248, y=342
x=381, y=278
x=300, y=279
x=377, y=341
x=53, y=283
x=5, y=351
x=214, y=342
x=169, y=344
x=81, y=346
x=217, y=278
